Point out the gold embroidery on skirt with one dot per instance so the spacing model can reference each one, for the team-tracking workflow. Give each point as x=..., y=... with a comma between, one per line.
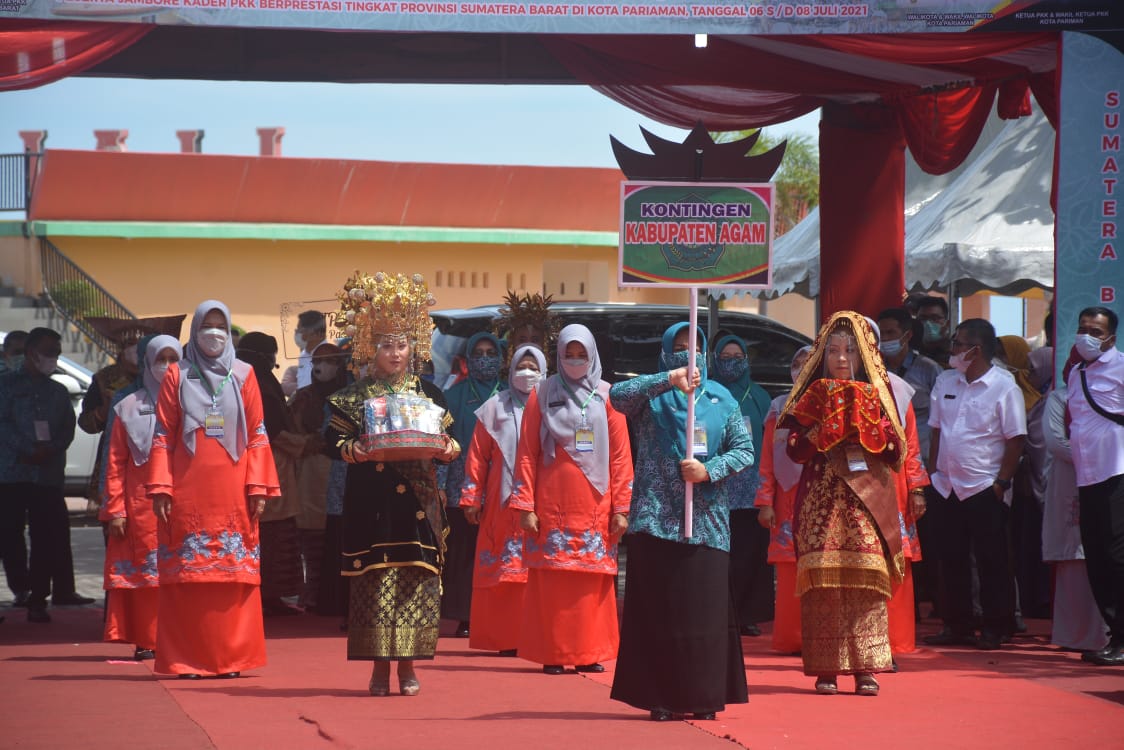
x=394, y=613
x=844, y=631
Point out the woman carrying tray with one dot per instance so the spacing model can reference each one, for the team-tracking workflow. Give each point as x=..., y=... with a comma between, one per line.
x=393, y=516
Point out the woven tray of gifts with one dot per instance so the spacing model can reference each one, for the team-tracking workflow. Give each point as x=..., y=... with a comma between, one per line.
x=403, y=427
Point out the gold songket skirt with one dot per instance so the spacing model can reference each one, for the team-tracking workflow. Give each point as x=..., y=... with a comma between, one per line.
x=394, y=613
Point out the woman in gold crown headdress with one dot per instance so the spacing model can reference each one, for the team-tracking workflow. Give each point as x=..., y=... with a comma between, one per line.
x=394, y=522
x=845, y=430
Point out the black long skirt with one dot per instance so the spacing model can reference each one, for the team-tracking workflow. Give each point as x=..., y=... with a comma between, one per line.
x=680, y=648
x=456, y=576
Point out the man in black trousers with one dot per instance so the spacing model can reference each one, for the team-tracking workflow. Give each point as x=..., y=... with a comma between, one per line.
x=1095, y=414
x=36, y=427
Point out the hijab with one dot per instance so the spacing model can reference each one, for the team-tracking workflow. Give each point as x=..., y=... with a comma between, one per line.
x=213, y=381
x=713, y=404
x=138, y=413
x=560, y=401
x=753, y=400
x=464, y=398
x=502, y=417
x=1017, y=354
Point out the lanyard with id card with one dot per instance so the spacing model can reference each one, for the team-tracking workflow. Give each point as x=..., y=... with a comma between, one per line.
x=214, y=422
x=698, y=442
x=583, y=435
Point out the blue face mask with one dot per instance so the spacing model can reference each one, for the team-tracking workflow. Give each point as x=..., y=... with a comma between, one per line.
x=729, y=370
x=486, y=367
x=675, y=360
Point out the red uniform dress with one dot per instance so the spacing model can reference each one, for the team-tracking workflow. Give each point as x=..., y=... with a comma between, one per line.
x=210, y=556
x=130, y=561
x=570, y=606
x=499, y=577
x=900, y=609
x=782, y=554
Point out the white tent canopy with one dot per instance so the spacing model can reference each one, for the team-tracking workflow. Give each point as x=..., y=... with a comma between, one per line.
x=985, y=225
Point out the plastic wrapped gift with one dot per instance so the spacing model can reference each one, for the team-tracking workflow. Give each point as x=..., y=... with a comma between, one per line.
x=403, y=427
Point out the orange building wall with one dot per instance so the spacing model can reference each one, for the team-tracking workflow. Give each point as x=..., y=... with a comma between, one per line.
x=255, y=277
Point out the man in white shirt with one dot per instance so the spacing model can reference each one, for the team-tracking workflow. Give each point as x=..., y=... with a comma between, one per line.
x=978, y=421
x=1096, y=427
x=311, y=331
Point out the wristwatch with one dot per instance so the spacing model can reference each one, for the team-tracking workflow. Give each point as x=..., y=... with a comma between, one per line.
x=1004, y=484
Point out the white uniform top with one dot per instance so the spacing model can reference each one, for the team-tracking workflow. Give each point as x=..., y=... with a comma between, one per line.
x=976, y=420
x=1097, y=442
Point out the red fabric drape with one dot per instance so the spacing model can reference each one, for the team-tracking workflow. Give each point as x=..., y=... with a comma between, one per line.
x=941, y=129
x=34, y=53
x=862, y=224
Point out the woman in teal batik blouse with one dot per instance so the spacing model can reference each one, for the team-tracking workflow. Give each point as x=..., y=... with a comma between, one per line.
x=680, y=650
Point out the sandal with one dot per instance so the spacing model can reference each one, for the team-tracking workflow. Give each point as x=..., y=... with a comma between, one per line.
x=408, y=683
x=379, y=685
x=865, y=684
x=826, y=686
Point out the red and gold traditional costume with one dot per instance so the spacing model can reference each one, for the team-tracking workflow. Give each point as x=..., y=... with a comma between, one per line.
x=847, y=531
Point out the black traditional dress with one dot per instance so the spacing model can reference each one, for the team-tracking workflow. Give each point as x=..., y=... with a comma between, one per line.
x=393, y=535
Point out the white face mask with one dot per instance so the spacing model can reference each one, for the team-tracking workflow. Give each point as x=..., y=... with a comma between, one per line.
x=300, y=341
x=1088, y=346
x=158, y=370
x=525, y=380
x=47, y=365
x=324, y=372
x=959, y=363
x=575, y=369
x=211, y=340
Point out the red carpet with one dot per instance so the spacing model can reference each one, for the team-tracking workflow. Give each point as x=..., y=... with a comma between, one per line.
x=62, y=688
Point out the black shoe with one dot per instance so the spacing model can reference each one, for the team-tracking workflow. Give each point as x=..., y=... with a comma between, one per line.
x=462, y=629
x=38, y=614
x=1091, y=656
x=144, y=654
x=553, y=669
x=21, y=599
x=948, y=638
x=73, y=599
x=1110, y=657
x=661, y=715
x=705, y=716
x=229, y=675
x=988, y=642
x=509, y=652
x=751, y=630
x=893, y=665
x=190, y=676
x=595, y=668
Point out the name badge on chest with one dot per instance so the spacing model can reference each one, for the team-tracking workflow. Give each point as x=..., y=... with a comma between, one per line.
x=856, y=461
x=698, y=442
x=583, y=436
x=214, y=423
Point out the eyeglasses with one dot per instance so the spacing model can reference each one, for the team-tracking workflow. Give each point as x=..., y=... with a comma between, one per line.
x=957, y=345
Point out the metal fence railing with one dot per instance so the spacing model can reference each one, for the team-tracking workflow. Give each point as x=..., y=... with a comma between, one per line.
x=16, y=180
x=76, y=296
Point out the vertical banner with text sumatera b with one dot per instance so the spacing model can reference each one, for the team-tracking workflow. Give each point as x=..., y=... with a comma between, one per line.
x=696, y=234
x=1088, y=269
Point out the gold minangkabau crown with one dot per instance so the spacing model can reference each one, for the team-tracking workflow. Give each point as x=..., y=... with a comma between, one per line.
x=383, y=304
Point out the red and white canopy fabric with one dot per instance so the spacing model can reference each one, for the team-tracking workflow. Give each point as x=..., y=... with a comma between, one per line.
x=879, y=94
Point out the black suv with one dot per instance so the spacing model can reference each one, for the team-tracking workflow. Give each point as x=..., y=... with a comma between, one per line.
x=628, y=337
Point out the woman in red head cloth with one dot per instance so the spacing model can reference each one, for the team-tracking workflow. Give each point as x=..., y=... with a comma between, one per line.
x=846, y=431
